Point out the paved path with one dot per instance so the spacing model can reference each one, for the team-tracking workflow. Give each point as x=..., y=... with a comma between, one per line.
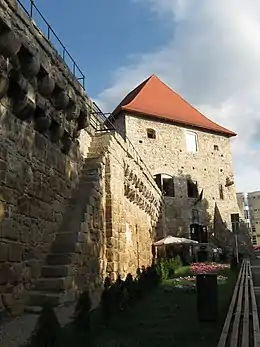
x=17, y=331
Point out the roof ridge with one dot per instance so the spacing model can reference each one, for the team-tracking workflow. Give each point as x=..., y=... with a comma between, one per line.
x=155, y=98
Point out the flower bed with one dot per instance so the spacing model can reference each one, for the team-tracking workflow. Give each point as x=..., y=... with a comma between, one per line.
x=188, y=282
x=198, y=268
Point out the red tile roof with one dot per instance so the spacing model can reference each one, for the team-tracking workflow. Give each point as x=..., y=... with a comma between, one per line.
x=154, y=98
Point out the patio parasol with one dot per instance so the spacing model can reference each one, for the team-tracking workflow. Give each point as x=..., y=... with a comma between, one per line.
x=172, y=240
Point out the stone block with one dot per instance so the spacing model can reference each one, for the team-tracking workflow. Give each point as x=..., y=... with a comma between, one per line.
x=3, y=252
x=35, y=268
x=14, y=303
x=14, y=252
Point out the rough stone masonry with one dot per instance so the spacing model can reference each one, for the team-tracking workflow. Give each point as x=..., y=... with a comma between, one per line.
x=75, y=205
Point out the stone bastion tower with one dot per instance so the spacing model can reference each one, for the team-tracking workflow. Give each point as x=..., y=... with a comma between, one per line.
x=189, y=156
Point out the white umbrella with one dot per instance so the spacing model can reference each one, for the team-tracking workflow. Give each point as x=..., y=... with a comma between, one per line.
x=188, y=241
x=172, y=240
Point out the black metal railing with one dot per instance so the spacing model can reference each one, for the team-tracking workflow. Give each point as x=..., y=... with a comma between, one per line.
x=32, y=10
x=103, y=122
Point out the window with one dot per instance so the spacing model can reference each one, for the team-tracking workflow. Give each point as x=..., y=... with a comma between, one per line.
x=216, y=148
x=191, y=142
x=195, y=216
x=166, y=184
x=151, y=134
x=246, y=214
x=221, y=193
x=192, y=189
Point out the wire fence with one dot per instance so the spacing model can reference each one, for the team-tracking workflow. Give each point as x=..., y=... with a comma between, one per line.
x=34, y=13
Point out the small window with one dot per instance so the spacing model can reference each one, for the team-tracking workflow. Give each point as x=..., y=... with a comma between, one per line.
x=221, y=193
x=216, y=148
x=192, y=188
x=166, y=184
x=195, y=216
x=151, y=134
x=191, y=142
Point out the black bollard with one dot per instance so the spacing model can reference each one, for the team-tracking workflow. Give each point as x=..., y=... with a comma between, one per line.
x=207, y=297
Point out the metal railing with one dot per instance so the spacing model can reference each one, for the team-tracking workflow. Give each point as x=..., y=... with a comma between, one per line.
x=31, y=9
x=99, y=119
x=102, y=123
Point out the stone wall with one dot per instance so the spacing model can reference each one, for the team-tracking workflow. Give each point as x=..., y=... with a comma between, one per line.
x=134, y=207
x=42, y=110
x=167, y=154
x=74, y=205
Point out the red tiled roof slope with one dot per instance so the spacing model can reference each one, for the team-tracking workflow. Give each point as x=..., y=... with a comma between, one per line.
x=154, y=98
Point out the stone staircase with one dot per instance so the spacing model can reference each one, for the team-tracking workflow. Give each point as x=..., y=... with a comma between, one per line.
x=58, y=282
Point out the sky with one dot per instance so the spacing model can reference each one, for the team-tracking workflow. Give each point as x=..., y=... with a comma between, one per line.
x=208, y=51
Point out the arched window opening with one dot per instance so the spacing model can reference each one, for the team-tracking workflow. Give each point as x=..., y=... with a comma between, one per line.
x=166, y=184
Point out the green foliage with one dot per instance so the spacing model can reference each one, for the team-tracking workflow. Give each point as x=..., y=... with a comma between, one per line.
x=47, y=330
x=168, y=267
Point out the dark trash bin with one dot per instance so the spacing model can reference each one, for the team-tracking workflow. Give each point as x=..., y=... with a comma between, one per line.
x=207, y=297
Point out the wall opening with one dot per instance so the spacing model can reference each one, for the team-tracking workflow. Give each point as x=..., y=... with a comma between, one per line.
x=166, y=184
x=221, y=192
x=151, y=134
x=192, y=188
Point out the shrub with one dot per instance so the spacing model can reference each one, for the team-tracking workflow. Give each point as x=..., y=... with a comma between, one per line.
x=167, y=267
x=47, y=330
x=82, y=312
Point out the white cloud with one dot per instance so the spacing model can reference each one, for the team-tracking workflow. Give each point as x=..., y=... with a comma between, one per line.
x=213, y=61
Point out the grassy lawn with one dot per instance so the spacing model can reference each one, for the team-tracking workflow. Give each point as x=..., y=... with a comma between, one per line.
x=167, y=317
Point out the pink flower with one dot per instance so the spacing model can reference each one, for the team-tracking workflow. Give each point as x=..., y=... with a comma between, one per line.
x=197, y=268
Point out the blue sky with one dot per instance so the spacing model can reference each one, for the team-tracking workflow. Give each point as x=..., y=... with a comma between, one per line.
x=103, y=35
x=207, y=51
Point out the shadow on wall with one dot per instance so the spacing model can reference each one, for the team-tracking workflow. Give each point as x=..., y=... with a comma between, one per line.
x=40, y=226
x=185, y=205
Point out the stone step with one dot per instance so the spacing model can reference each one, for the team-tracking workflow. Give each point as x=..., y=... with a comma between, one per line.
x=38, y=298
x=56, y=271
x=60, y=247
x=69, y=237
x=60, y=258
x=54, y=284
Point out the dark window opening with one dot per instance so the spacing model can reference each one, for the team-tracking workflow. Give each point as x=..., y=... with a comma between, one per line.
x=158, y=180
x=199, y=233
x=192, y=188
x=166, y=185
x=216, y=147
x=151, y=134
x=246, y=214
x=221, y=192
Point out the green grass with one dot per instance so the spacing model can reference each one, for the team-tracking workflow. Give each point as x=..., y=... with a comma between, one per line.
x=166, y=317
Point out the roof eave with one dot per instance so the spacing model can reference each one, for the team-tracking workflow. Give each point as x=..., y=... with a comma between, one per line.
x=226, y=132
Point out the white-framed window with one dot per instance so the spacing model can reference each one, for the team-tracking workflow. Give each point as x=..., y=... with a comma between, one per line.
x=191, y=141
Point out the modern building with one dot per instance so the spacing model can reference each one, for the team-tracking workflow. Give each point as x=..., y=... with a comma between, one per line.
x=189, y=156
x=249, y=206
